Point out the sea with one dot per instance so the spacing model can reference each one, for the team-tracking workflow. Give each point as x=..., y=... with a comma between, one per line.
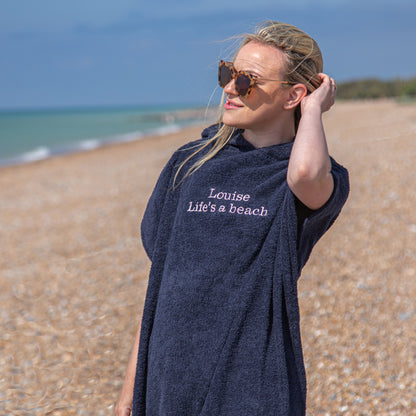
x=31, y=135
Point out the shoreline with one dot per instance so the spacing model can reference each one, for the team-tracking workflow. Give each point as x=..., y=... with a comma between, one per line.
x=165, y=120
x=42, y=153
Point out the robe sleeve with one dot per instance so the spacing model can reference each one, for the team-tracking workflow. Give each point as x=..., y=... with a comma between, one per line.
x=316, y=224
x=152, y=214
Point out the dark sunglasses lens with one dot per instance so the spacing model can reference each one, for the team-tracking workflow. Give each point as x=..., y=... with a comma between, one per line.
x=242, y=84
x=225, y=76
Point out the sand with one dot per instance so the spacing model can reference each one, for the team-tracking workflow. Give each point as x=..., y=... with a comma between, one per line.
x=73, y=273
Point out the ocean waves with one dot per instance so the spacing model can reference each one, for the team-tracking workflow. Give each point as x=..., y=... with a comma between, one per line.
x=27, y=137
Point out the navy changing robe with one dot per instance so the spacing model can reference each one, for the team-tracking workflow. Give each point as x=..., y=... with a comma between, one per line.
x=220, y=329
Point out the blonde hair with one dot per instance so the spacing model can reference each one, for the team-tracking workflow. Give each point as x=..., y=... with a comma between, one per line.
x=303, y=63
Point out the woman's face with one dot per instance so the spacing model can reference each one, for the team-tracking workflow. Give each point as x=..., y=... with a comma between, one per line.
x=263, y=109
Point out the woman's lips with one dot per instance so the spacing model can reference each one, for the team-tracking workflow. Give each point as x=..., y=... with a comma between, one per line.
x=231, y=105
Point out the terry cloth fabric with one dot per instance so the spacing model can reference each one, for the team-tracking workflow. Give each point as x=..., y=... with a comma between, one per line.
x=220, y=329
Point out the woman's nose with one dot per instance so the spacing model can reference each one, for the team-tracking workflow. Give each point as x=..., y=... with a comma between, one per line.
x=230, y=88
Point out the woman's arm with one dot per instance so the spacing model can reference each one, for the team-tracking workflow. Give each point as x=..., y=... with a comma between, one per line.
x=125, y=402
x=309, y=172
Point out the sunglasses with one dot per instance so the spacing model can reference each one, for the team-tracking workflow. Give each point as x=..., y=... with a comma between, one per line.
x=244, y=81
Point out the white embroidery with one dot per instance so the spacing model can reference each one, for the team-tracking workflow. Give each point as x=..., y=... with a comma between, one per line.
x=231, y=208
x=228, y=196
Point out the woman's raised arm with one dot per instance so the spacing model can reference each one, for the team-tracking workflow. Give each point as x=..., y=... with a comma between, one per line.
x=309, y=171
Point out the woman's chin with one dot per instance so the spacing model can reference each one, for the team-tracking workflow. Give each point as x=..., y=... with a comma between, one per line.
x=231, y=121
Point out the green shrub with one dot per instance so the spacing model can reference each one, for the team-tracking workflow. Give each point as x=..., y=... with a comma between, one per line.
x=375, y=88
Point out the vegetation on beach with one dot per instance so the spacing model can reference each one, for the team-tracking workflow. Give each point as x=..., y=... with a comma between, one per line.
x=375, y=88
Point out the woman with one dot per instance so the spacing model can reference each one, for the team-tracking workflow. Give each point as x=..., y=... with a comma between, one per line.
x=229, y=226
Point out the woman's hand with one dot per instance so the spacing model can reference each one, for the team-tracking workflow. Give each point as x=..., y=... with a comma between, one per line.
x=124, y=406
x=323, y=96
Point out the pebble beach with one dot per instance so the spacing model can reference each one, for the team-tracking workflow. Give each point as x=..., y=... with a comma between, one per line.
x=73, y=272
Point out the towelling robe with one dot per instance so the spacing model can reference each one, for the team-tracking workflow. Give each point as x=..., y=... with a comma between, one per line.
x=220, y=330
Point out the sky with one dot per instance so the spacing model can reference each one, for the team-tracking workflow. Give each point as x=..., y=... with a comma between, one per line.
x=60, y=53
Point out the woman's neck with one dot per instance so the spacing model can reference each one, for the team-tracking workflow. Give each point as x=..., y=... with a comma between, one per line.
x=269, y=137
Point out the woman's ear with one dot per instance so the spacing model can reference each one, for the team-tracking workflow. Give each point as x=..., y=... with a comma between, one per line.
x=296, y=94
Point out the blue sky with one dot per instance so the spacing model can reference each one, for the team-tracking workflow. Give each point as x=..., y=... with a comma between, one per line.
x=57, y=53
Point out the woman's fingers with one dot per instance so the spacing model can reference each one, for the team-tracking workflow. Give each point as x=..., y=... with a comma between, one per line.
x=323, y=96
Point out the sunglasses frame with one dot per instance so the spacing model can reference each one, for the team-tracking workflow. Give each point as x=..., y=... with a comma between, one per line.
x=235, y=74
